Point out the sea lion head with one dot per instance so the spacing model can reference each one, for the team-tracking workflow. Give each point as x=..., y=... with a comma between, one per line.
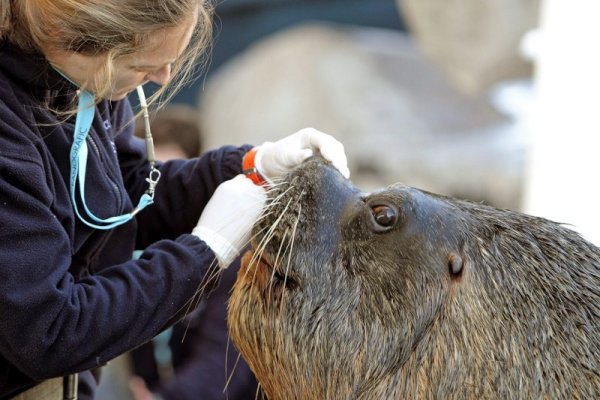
x=402, y=293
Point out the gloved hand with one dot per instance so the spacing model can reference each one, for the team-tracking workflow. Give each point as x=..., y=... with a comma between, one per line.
x=226, y=221
x=274, y=159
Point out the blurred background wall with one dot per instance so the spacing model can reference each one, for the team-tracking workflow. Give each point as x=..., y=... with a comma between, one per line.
x=563, y=159
x=241, y=23
x=424, y=92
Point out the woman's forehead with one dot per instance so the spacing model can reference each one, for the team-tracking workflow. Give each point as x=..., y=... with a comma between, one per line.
x=165, y=45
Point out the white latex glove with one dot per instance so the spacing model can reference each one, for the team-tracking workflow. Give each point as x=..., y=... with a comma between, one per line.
x=227, y=219
x=274, y=159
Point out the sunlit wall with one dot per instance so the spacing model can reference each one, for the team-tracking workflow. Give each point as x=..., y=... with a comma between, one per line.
x=563, y=175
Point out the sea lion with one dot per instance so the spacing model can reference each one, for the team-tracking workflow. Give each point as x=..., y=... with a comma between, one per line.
x=405, y=294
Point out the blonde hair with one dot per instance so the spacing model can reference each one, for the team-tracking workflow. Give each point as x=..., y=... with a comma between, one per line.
x=109, y=28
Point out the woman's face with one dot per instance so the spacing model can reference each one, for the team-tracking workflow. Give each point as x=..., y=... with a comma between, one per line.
x=152, y=63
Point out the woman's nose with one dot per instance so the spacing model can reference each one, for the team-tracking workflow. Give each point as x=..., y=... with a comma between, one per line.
x=161, y=76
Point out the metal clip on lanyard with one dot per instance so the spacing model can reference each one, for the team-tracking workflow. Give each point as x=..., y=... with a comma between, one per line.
x=70, y=383
x=78, y=157
x=154, y=174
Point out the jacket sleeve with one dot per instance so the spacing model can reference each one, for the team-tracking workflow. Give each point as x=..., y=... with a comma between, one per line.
x=54, y=322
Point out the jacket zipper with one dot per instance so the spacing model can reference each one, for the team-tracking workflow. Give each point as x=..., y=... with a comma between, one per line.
x=102, y=161
x=105, y=236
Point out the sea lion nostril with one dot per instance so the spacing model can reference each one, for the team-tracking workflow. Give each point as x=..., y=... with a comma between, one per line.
x=385, y=216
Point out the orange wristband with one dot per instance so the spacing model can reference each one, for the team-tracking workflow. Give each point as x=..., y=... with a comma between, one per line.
x=249, y=169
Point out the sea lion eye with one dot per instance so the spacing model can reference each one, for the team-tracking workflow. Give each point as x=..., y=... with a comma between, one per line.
x=384, y=216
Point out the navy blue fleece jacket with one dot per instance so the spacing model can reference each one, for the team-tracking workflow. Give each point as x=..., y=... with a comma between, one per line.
x=71, y=298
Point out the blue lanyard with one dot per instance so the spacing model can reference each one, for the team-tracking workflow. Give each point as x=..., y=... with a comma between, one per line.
x=78, y=157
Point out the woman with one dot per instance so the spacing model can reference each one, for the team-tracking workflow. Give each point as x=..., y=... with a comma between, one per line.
x=71, y=174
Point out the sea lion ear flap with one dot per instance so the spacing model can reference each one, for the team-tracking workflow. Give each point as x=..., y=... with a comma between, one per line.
x=455, y=265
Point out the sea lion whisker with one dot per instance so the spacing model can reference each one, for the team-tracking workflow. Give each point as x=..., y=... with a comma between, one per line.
x=274, y=271
x=215, y=271
x=268, y=237
x=270, y=231
x=288, y=243
x=235, y=365
x=256, y=255
x=267, y=209
x=289, y=251
x=197, y=297
x=264, y=215
x=274, y=201
x=278, y=182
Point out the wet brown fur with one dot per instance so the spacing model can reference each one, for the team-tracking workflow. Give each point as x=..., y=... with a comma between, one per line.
x=455, y=300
